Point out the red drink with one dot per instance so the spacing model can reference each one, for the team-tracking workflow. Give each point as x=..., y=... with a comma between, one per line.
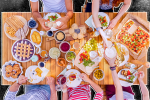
x=64, y=47
x=61, y=79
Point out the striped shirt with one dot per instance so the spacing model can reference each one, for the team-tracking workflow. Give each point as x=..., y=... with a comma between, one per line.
x=82, y=92
x=53, y=5
x=35, y=94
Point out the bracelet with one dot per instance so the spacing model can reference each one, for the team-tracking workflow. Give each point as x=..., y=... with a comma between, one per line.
x=113, y=68
x=99, y=28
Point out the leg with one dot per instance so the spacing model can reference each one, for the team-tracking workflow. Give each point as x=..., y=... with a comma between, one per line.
x=30, y=87
x=110, y=91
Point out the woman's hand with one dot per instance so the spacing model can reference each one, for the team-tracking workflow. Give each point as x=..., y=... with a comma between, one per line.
x=112, y=23
x=111, y=61
x=22, y=79
x=64, y=21
x=140, y=75
x=84, y=77
x=50, y=81
x=42, y=22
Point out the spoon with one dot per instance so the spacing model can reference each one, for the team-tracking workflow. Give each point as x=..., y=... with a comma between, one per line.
x=62, y=63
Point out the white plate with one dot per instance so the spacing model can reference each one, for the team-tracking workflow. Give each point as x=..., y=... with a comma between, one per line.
x=52, y=14
x=6, y=25
x=126, y=57
x=29, y=74
x=76, y=82
x=4, y=72
x=37, y=45
x=124, y=83
x=102, y=14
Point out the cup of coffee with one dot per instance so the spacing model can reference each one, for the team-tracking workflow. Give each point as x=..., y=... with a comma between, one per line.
x=76, y=45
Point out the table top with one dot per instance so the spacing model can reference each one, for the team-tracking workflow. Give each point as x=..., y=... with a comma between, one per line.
x=51, y=65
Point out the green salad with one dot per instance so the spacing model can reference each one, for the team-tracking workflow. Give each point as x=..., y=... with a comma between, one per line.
x=52, y=18
x=103, y=20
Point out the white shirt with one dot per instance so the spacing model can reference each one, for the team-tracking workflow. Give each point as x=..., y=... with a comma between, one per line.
x=126, y=96
x=53, y=5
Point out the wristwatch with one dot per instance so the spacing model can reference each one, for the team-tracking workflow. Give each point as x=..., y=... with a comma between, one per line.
x=99, y=28
x=113, y=68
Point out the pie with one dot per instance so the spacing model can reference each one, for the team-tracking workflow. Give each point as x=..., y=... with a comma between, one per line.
x=136, y=41
x=23, y=50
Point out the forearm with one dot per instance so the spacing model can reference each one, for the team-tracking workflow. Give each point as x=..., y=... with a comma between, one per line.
x=95, y=86
x=95, y=10
x=144, y=90
x=53, y=93
x=36, y=15
x=118, y=87
x=14, y=87
x=123, y=9
x=65, y=96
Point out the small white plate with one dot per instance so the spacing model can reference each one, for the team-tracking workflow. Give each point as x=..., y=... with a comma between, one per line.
x=52, y=14
x=4, y=71
x=102, y=14
x=31, y=74
x=76, y=82
x=124, y=83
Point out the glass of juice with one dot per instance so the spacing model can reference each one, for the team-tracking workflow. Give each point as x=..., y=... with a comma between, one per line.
x=76, y=45
x=43, y=53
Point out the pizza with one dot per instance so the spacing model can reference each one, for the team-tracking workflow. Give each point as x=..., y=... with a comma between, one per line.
x=136, y=41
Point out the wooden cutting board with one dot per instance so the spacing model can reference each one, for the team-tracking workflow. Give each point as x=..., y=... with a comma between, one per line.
x=68, y=36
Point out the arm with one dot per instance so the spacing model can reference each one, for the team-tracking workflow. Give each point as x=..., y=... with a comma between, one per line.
x=64, y=20
x=65, y=93
x=95, y=10
x=144, y=90
x=96, y=87
x=118, y=87
x=50, y=82
x=37, y=16
x=123, y=9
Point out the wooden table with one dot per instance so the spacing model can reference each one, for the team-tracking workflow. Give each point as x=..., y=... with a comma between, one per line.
x=55, y=70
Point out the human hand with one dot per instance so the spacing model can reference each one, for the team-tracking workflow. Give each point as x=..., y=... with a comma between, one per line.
x=111, y=61
x=112, y=23
x=84, y=77
x=147, y=64
x=42, y=22
x=140, y=75
x=64, y=21
x=50, y=81
x=22, y=79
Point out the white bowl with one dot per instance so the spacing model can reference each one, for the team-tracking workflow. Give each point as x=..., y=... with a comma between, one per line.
x=100, y=78
x=50, y=55
x=61, y=44
x=66, y=55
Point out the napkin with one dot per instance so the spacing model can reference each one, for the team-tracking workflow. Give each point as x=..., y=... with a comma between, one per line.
x=45, y=71
x=89, y=22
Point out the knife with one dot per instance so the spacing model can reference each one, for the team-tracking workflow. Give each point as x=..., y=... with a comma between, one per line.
x=125, y=80
x=137, y=69
x=63, y=72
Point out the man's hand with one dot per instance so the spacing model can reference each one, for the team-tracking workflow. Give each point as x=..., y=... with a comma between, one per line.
x=42, y=22
x=64, y=21
x=84, y=77
x=112, y=23
x=22, y=79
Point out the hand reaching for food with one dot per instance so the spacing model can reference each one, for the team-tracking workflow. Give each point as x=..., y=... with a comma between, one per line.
x=84, y=77
x=140, y=75
x=50, y=81
x=112, y=23
x=22, y=79
x=64, y=21
x=42, y=22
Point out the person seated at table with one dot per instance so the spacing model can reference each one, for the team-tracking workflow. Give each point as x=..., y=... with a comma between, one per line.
x=52, y=6
x=116, y=91
x=82, y=92
x=32, y=92
x=107, y=6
